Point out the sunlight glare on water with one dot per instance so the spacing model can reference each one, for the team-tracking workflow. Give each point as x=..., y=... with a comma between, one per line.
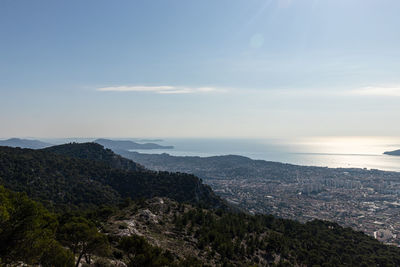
x=345, y=152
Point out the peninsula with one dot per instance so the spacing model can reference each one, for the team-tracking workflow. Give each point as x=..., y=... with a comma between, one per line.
x=128, y=145
x=393, y=153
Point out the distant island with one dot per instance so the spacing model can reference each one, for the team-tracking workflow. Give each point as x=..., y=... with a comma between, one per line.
x=128, y=145
x=24, y=143
x=150, y=140
x=393, y=153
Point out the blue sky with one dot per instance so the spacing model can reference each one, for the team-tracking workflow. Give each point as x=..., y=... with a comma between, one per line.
x=225, y=68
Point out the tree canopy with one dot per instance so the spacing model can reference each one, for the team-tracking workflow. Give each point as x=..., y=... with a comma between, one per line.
x=27, y=232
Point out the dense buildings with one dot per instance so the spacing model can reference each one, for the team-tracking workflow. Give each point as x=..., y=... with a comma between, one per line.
x=366, y=200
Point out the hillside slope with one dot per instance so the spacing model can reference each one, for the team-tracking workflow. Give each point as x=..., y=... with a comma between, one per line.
x=220, y=238
x=96, y=152
x=78, y=180
x=158, y=231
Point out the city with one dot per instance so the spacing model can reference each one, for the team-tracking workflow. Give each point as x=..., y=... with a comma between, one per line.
x=366, y=200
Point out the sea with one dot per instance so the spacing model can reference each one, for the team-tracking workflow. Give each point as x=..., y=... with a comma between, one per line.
x=344, y=152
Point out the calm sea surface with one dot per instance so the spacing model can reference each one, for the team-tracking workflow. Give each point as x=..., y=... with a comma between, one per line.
x=359, y=152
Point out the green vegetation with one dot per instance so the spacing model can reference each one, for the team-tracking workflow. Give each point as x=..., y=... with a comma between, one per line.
x=240, y=237
x=141, y=253
x=95, y=152
x=87, y=188
x=89, y=176
x=27, y=232
x=83, y=238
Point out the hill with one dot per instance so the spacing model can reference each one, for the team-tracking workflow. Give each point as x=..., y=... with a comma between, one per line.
x=393, y=153
x=222, y=238
x=162, y=232
x=215, y=167
x=96, y=152
x=128, y=145
x=24, y=143
x=75, y=179
x=167, y=224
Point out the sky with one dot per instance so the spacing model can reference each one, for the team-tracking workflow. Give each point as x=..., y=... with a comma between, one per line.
x=227, y=68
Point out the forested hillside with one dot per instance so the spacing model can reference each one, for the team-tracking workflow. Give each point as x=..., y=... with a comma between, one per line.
x=173, y=219
x=96, y=152
x=77, y=180
x=28, y=233
x=161, y=232
x=223, y=238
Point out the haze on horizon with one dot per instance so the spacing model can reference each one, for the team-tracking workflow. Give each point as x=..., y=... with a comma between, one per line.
x=270, y=68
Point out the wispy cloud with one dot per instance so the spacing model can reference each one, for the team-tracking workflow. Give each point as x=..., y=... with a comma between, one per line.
x=383, y=91
x=377, y=91
x=161, y=89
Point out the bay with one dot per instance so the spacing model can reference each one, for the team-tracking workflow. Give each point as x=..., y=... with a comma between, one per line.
x=345, y=152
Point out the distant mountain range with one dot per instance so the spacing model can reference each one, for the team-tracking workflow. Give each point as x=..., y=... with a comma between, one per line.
x=24, y=143
x=393, y=153
x=128, y=145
